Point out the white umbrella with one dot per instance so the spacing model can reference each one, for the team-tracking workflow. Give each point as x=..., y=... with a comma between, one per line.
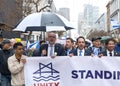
x=88, y=42
x=44, y=21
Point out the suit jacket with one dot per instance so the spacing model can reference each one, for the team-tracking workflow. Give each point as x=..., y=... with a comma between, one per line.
x=87, y=52
x=91, y=49
x=59, y=49
x=71, y=51
x=105, y=53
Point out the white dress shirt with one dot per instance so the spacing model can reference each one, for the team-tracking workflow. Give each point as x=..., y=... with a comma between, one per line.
x=82, y=52
x=49, y=49
x=95, y=51
x=108, y=53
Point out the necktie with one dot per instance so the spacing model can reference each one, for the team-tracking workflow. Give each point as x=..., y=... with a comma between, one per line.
x=80, y=53
x=68, y=51
x=95, y=51
x=110, y=54
x=51, y=50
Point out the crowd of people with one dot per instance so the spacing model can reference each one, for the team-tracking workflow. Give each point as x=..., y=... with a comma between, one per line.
x=13, y=56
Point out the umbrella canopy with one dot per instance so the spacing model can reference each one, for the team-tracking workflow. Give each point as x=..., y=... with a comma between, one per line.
x=44, y=21
x=88, y=42
x=104, y=38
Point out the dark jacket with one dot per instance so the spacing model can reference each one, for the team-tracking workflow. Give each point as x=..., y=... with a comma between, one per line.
x=104, y=53
x=87, y=52
x=0, y=46
x=117, y=47
x=4, y=55
x=59, y=49
x=71, y=51
x=91, y=49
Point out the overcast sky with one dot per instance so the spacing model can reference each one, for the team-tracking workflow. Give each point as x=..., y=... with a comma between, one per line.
x=77, y=6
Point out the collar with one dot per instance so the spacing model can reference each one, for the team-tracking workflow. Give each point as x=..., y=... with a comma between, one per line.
x=108, y=52
x=22, y=57
x=83, y=50
x=95, y=48
x=51, y=45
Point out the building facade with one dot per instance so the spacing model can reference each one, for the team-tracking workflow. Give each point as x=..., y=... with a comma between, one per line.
x=115, y=14
x=91, y=13
x=101, y=23
x=10, y=14
x=83, y=28
x=108, y=17
x=86, y=20
x=65, y=12
x=81, y=22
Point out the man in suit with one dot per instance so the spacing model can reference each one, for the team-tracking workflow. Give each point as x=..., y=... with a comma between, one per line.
x=52, y=48
x=80, y=50
x=96, y=48
x=109, y=51
x=69, y=46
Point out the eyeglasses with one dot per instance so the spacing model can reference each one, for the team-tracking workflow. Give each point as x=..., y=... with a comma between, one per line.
x=51, y=36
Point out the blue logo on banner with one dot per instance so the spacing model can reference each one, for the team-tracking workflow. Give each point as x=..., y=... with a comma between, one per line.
x=46, y=73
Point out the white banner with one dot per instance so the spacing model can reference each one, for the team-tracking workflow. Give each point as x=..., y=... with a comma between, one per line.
x=72, y=71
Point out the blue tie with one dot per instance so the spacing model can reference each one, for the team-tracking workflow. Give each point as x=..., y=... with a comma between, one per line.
x=96, y=51
x=68, y=52
x=80, y=53
x=51, y=50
